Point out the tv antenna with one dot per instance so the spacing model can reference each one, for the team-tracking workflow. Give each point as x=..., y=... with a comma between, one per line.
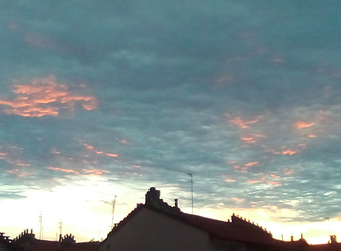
x=60, y=224
x=190, y=174
x=113, y=211
x=41, y=226
x=59, y=231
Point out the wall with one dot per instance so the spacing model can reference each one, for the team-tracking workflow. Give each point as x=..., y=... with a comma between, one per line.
x=225, y=245
x=149, y=230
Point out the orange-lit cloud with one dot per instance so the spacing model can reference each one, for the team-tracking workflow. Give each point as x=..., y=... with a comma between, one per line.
x=2, y=155
x=288, y=152
x=230, y=180
x=44, y=97
x=276, y=183
x=54, y=151
x=251, y=138
x=312, y=135
x=99, y=152
x=95, y=171
x=124, y=141
x=285, y=151
x=63, y=170
x=25, y=174
x=89, y=147
x=237, y=199
x=16, y=162
x=135, y=166
x=251, y=163
x=253, y=181
x=17, y=172
x=242, y=168
x=244, y=123
x=301, y=124
x=266, y=179
x=112, y=154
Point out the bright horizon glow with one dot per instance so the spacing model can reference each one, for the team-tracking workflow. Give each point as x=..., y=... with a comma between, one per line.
x=88, y=219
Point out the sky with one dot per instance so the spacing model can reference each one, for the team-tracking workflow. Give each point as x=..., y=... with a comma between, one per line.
x=110, y=98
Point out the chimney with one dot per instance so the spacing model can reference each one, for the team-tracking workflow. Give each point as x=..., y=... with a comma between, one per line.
x=152, y=195
x=333, y=239
x=292, y=238
x=176, y=203
x=301, y=236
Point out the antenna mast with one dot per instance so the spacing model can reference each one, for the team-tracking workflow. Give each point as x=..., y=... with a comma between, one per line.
x=60, y=223
x=41, y=226
x=191, y=188
x=113, y=211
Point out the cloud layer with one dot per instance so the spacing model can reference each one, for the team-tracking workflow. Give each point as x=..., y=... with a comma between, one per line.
x=244, y=95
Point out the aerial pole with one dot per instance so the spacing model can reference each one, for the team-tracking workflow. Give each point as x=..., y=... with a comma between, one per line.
x=41, y=226
x=59, y=231
x=113, y=211
x=328, y=228
x=60, y=223
x=191, y=188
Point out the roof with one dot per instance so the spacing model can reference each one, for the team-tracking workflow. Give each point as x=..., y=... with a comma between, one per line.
x=237, y=229
x=326, y=247
x=43, y=245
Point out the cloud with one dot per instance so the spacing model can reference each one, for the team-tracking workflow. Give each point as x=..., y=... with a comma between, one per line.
x=245, y=96
x=44, y=97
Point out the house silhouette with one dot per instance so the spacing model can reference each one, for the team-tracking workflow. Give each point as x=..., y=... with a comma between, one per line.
x=157, y=226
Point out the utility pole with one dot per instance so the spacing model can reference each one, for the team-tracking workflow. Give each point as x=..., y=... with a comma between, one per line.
x=191, y=188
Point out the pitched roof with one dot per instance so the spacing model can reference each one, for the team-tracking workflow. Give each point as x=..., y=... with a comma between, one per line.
x=26, y=241
x=43, y=245
x=326, y=247
x=237, y=229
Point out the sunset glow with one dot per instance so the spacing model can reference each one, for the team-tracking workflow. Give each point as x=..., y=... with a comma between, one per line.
x=44, y=97
x=63, y=170
x=244, y=123
x=301, y=124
